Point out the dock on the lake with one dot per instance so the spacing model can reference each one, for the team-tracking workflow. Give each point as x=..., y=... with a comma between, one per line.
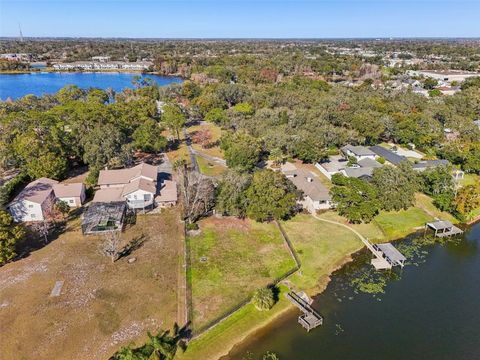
x=310, y=318
x=443, y=228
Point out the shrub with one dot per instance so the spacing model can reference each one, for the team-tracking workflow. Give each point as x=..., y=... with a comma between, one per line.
x=192, y=226
x=263, y=299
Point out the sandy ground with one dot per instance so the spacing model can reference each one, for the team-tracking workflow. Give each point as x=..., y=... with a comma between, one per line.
x=101, y=305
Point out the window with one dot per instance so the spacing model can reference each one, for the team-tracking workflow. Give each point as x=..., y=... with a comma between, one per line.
x=32, y=216
x=146, y=197
x=135, y=197
x=30, y=206
x=71, y=201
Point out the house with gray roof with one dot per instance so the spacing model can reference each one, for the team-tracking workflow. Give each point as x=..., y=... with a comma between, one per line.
x=390, y=156
x=315, y=195
x=358, y=152
x=427, y=164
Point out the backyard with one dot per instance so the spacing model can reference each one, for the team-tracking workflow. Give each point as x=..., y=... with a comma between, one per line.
x=92, y=316
x=229, y=259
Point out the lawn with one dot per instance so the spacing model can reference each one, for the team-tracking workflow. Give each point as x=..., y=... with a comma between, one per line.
x=470, y=179
x=371, y=231
x=321, y=247
x=219, y=340
x=229, y=259
x=210, y=168
x=102, y=306
x=181, y=153
x=397, y=224
x=425, y=203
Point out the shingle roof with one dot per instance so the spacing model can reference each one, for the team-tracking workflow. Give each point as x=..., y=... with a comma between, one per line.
x=112, y=194
x=124, y=176
x=139, y=184
x=168, y=192
x=369, y=163
x=358, y=172
x=309, y=184
x=68, y=190
x=388, y=155
x=430, y=163
x=37, y=191
x=358, y=150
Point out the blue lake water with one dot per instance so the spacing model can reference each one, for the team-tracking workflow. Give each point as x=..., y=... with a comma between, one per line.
x=38, y=83
x=429, y=311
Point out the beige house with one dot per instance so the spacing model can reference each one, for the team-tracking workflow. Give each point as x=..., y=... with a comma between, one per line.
x=138, y=186
x=35, y=202
x=315, y=195
x=73, y=194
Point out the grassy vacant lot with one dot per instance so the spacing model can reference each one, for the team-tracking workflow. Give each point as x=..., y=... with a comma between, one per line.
x=397, y=224
x=231, y=258
x=216, y=134
x=102, y=305
x=425, y=203
x=210, y=168
x=371, y=230
x=321, y=248
x=219, y=340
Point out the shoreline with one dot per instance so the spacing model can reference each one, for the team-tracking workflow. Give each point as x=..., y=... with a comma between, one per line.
x=247, y=336
x=51, y=70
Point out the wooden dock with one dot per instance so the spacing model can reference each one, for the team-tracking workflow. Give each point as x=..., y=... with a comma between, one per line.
x=443, y=228
x=310, y=318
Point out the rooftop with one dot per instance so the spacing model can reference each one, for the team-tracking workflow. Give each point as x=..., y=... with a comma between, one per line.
x=124, y=176
x=308, y=183
x=388, y=155
x=358, y=150
x=68, y=190
x=37, y=191
x=391, y=252
x=168, y=192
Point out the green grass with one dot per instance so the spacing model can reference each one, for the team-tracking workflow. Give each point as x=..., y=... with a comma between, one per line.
x=397, y=224
x=228, y=261
x=470, y=179
x=219, y=340
x=371, y=230
x=321, y=248
x=210, y=168
x=425, y=203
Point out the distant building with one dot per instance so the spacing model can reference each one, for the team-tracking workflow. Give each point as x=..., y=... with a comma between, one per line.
x=444, y=76
x=102, y=59
x=427, y=164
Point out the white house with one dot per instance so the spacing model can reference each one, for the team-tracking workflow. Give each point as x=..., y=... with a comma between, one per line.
x=358, y=152
x=73, y=194
x=34, y=202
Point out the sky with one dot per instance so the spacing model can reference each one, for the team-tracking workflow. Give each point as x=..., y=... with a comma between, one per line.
x=241, y=19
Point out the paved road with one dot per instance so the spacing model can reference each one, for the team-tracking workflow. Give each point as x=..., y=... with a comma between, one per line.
x=210, y=158
x=191, y=152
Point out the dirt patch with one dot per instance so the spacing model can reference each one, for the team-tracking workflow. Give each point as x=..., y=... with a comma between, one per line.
x=102, y=306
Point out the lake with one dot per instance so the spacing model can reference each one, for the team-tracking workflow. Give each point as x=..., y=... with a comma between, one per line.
x=39, y=83
x=430, y=310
